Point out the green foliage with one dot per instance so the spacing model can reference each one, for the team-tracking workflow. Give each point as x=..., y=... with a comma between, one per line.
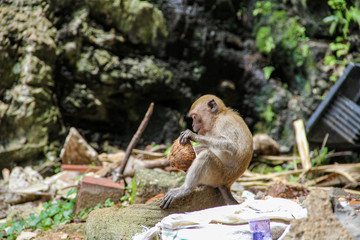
x=268, y=71
x=262, y=8
x=268, y=114
x=167, y=151
x=339, y=23
x=277, y=30
x=52, y=215
x=342, y=17
x=319, y=157
x=12, y=229
x=264, y=40
x=128, y=198
x=84, y=213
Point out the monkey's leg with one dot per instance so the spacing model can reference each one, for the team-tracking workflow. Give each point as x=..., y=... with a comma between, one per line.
x=195, y=175
x=227, y=195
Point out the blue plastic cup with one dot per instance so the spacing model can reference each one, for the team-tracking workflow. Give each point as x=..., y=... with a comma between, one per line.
x=260, y=229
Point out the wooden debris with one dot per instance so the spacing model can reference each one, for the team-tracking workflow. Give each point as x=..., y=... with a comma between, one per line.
x=302, y=144
x=147, y=155
x=136, y=137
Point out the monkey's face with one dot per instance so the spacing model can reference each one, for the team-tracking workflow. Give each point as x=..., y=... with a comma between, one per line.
x=201, y=120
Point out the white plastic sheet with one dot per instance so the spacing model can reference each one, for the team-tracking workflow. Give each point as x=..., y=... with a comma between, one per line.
x=229, y=222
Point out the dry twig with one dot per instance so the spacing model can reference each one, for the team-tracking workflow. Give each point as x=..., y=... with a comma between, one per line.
x=136, y=137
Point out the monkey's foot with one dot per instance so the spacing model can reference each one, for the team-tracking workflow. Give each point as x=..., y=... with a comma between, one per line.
x=171, y=195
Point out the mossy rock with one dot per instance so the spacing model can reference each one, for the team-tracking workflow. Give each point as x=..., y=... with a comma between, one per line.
x=140, y=21
x=124, y=223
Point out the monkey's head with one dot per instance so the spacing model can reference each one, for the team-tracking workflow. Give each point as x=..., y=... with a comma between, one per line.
x=204, y=111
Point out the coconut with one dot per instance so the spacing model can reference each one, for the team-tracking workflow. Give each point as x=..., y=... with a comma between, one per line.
x=181, y=156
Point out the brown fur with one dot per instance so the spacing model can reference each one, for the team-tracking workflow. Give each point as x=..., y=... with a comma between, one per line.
x=226, y=148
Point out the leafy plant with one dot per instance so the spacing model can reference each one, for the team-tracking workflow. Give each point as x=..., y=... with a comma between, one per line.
x=268, y=114
x=128, y=198
x=319, y=157
x=84, y=213
x=278, y=30
x=52, y=215
x=268, y=71
x=340, y=21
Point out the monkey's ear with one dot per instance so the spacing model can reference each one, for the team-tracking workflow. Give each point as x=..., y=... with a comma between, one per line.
x=212, y=105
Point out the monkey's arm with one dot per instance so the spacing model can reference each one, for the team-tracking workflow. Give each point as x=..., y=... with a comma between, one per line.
x=218, y=143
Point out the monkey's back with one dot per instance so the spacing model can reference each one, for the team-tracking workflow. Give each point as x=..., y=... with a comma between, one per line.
x=233, y=128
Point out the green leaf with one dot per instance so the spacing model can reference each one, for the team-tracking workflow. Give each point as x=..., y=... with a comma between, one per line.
x=68, y=205
x=329, y=19
x=43, y=214
x=71, y=191
x=167, y=151
x=33, y=220
x=82, y=212
x=54, y=209
x=47, y=204
x=333, y=77
x=330, y=60
x=264, y=40
x=267, y=71
x=109, y=203
x=68, y=214
x=99, y=205
x=278, y=169
x=57, y=219
x=268, y=114
x=332, y=28
x=47, y=222
x=194, y=143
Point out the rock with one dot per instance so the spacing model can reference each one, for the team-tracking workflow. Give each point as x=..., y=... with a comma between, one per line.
x=63, y=231
x=24, y=210
x=347, y=214
x=26, y=235
x=140, y=21
x=152, y=182
x=29, y=116
x=320, y=223
x=123, y=223
x=77, y=151
x=24, y=184
x=279, y=189
x=62, y=182
x=265, y=145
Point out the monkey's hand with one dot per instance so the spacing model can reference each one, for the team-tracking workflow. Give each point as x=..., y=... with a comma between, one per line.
x=186, y=136
x=171, y=195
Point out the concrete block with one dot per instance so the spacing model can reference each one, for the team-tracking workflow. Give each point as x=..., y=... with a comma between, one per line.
x=92, y=191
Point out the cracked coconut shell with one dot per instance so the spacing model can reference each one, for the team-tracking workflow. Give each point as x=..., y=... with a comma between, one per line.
x=181, y=156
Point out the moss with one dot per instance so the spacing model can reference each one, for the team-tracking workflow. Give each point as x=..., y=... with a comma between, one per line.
x=140, y=21
x=150, y=183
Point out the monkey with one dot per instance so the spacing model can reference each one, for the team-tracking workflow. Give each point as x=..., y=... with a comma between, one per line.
x=226, y=148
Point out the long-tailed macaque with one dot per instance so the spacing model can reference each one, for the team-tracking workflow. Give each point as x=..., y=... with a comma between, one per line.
x=225, y=149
